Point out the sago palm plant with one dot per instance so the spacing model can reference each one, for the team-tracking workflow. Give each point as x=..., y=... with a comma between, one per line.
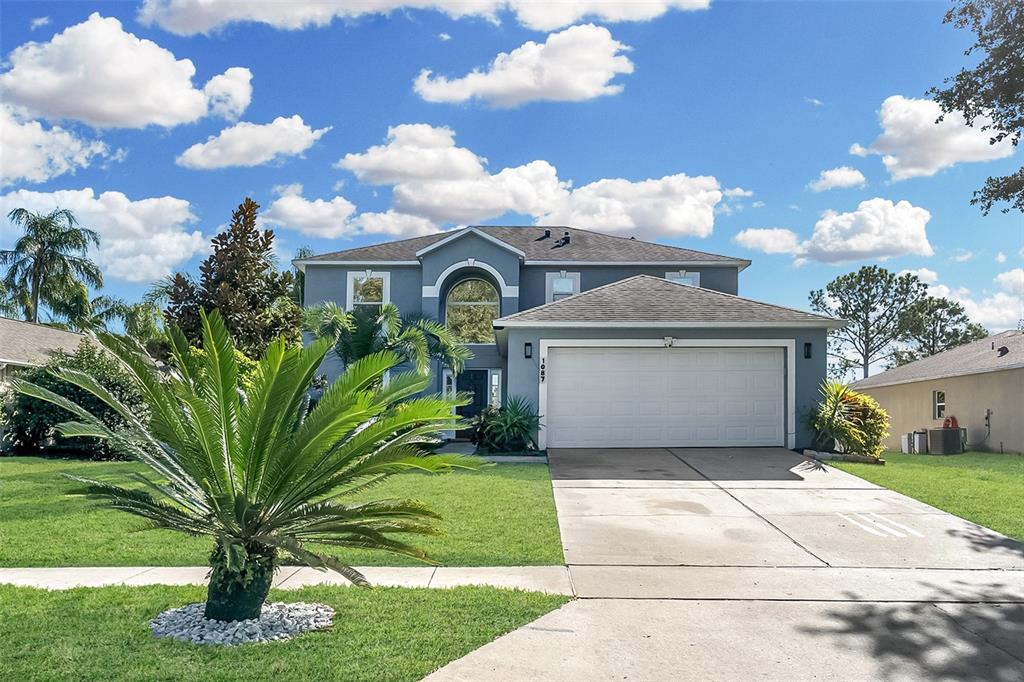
x=256, y=470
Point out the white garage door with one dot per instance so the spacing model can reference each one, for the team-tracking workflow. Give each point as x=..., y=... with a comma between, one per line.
x=636, y=397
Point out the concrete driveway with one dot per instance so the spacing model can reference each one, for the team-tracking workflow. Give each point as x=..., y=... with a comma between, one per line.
x=759, y=564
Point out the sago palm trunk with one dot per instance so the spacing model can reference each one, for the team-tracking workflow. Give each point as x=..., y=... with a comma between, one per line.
x=237, y=592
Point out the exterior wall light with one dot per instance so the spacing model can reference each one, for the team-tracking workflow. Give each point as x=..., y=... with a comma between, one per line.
x=807, y=351
x=527, y=350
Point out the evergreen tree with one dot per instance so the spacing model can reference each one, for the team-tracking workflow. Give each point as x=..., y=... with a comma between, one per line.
x=239, y=279
x=933, y=325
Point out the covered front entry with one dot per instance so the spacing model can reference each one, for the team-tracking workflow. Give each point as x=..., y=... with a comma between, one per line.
x=607, y=396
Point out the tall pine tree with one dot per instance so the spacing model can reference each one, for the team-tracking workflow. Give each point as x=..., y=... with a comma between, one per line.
x=241, y=280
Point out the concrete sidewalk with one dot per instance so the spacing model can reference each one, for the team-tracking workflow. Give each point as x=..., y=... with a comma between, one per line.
x=551, y=579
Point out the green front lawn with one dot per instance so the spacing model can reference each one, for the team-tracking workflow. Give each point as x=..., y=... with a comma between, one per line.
x=503, y=515
x=378, y=634
x=981, y=487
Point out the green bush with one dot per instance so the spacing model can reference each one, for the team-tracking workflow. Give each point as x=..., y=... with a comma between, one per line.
x=510, y=428
x=848, y=421
x=30, y=422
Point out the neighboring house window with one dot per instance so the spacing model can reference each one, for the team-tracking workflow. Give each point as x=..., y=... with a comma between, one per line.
x=684, y=277
x=938, y=404
x=559, y=285
x=368, y=289
x=470, y=309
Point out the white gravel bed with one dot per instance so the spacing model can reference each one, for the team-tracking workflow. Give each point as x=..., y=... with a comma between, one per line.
x=278, y=621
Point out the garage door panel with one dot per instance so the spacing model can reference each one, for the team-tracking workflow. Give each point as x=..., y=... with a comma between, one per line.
x=625, y=397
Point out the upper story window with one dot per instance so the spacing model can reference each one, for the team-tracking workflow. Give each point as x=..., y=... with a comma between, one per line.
x=368, y=289
x=559, y=285
x=938, y=404
x=471, y=308
x=683, y=277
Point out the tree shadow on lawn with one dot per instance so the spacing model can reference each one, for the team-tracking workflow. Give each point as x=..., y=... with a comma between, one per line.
x=974, y=632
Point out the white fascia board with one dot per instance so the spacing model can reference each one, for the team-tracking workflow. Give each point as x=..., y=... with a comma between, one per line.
x=830, y=324
x=937, y=377
x=462, y=233
x=301, y=264
x=17, y=363
x=741, y=264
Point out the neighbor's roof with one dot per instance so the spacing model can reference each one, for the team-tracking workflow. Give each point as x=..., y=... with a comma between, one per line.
x=584, y=246
x=24, y=343
x=977, y=357
x=655, y=302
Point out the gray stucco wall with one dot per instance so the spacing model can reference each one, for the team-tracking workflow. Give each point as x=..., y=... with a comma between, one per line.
x=523, y=374
x=532, y=283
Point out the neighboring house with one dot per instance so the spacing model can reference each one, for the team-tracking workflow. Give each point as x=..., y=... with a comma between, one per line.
x=24, y=344
x=979, y=383
x=617, y=342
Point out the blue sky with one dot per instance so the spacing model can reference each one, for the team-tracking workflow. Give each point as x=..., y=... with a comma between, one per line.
x=729, y=111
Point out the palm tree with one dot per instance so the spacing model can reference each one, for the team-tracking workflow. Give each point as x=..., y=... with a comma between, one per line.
x=12, y=301
x=367, y=330
x=91, y=315
x=258, y=472
x=49, y=257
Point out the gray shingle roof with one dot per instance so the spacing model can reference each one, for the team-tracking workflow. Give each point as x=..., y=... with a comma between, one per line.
x=24, y=343
x=646, y=300
x=977, y=357
x=584, y=246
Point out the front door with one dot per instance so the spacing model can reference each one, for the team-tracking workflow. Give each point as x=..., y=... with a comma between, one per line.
x=474, y=382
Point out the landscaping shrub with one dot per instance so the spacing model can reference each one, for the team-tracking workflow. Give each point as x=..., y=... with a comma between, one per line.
x=848, y=421
x=510, y=428
x=31, y=423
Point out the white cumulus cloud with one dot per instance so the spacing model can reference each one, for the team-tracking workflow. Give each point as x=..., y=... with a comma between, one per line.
x=316, y=217
x=1012, y=281
x=98, y=73
x=34, y=153
x=140, y=240
x=769, y=239
x=188, y=17
x=252, y=144
x=39, y=22
x=878, y=229
x=434, y=179
x=926, y=275
x=995, y=310
x=913, y=145
x=337, y=217
x=414, y=152
x=836, y=178
x=574, y=65
x=394, y=224
x=672, y=206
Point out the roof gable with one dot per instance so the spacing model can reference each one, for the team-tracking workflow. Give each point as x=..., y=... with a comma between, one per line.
x=976, y=357
x=584, y=246
x=649, y=301
x=462, y=233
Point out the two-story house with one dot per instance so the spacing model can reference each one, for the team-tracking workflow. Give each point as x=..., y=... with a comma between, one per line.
x=618, y=342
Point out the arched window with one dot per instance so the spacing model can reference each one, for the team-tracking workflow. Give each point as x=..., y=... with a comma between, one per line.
x=472, y=305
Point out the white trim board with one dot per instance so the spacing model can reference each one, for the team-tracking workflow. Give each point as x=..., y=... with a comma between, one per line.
x=530, y=324
x=740, y=264
x=789, y=345
x=301, y=264
x=505, y=290
x=462, y=233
